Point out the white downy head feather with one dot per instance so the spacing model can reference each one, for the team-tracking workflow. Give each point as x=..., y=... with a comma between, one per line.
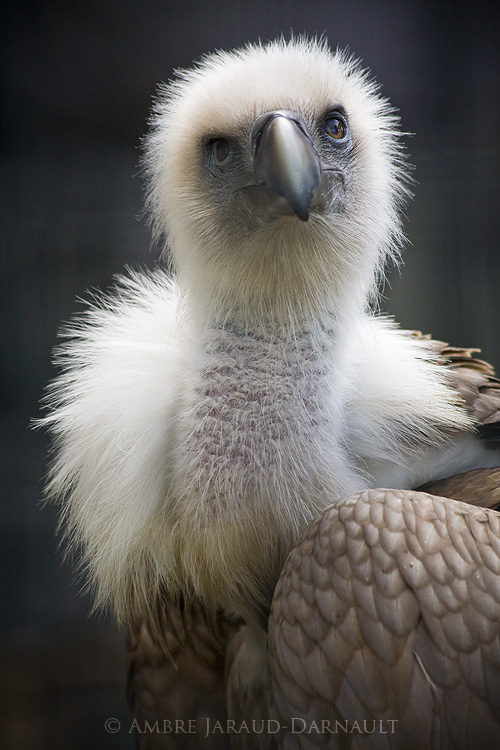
x=327, y=263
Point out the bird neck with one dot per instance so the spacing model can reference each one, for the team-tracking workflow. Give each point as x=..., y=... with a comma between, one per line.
x=286, y=280
x=300, y=362
x=323, y=324
x=259, y=452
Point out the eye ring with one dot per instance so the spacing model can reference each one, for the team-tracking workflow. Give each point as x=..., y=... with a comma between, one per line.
x=335, y=126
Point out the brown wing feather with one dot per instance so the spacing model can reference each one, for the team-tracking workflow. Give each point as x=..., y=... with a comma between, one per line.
x=477, y=487
x=247, y=691
x=178, y=686
x=473, y=378
x=388, y=610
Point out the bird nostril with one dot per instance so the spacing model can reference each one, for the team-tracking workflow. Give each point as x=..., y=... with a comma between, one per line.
x=257, y=140
x=258, y=129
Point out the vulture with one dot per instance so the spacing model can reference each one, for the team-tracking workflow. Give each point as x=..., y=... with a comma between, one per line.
x=287, y=501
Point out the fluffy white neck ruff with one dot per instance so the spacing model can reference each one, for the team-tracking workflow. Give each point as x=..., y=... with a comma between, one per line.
x=192, y=455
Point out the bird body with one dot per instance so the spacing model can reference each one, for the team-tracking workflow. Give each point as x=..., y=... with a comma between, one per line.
x=202, y=423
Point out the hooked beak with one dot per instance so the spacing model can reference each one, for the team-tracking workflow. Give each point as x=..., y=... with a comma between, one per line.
x=285, y=160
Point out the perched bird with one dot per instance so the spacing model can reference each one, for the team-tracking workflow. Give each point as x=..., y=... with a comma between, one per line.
x=206, y=417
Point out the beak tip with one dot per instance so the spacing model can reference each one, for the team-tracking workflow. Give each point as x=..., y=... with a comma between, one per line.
x=301, y=205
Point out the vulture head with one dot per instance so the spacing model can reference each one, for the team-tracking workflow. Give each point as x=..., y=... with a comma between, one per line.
x=276, y=176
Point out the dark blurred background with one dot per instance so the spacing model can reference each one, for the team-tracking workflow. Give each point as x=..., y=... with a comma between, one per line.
x=77, y=82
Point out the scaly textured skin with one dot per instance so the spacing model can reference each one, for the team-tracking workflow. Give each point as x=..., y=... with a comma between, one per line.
x=389, y=609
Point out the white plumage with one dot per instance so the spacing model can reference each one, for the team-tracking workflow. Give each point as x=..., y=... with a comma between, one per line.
x=202, y=423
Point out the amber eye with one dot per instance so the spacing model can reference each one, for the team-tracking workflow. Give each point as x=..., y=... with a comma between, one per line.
x=335, y=127
x=220, y=149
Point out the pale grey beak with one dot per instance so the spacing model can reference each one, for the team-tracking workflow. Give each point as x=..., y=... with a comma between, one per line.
x=285, y=160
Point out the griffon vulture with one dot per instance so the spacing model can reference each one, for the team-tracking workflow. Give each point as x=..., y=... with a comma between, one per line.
x=221, y=432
